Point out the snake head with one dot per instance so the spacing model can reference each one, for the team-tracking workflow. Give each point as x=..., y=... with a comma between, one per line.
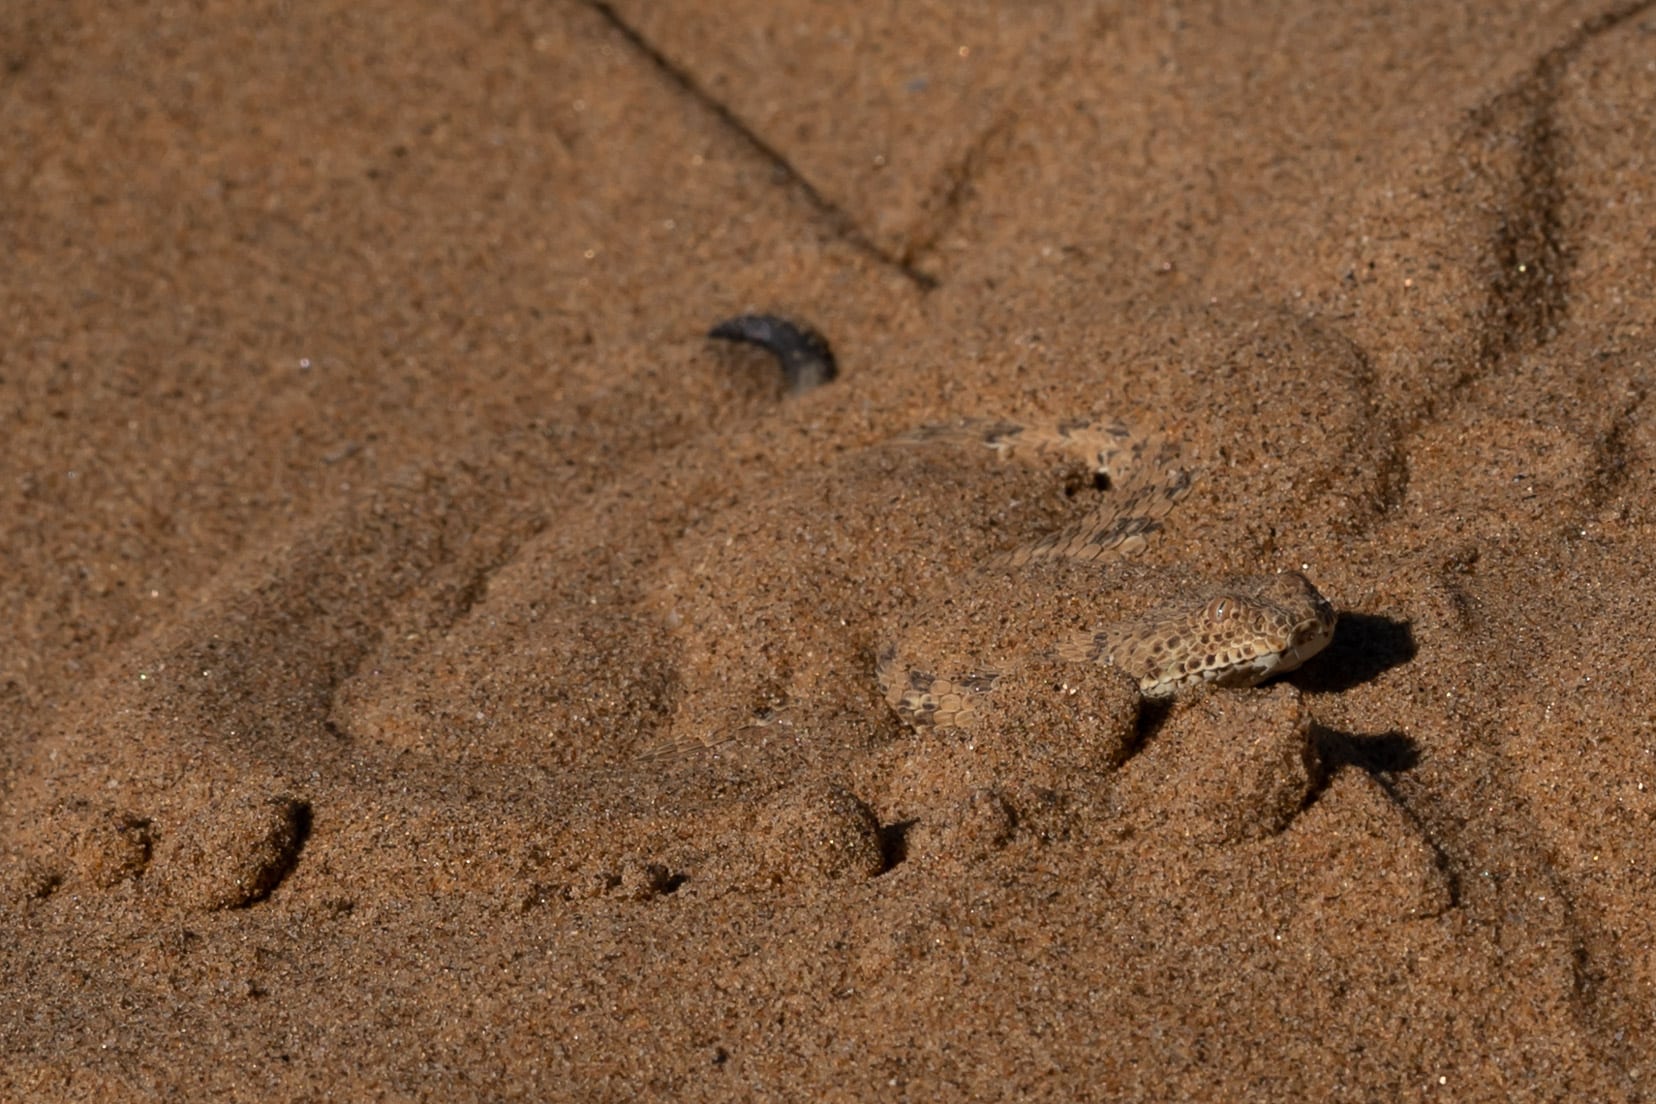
x=1238, y=634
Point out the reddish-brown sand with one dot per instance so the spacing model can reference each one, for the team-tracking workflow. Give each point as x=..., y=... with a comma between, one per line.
x=373, y=513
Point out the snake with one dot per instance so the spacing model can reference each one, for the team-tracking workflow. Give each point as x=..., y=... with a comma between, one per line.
x=1235, y=633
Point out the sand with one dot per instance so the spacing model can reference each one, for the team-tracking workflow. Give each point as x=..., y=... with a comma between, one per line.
x=434, y=670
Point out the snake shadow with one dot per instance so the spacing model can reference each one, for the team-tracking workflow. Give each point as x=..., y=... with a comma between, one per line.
x=1377, y=754
x=1364, y=646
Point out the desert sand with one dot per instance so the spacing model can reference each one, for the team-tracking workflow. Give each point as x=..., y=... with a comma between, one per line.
x=432, y=669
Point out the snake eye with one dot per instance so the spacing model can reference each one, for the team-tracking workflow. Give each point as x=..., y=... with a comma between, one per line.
x=1218, y=609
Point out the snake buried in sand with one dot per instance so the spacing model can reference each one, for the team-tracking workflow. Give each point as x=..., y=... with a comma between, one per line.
x=1236, y=634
